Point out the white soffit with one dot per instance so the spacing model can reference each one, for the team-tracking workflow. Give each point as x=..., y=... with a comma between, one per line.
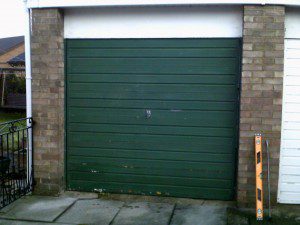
x=88, y=3
x=154, y=22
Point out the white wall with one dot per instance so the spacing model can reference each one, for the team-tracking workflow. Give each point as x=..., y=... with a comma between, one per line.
x=154, y=22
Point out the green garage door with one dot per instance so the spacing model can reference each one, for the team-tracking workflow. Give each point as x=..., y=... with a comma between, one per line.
x=153, y=116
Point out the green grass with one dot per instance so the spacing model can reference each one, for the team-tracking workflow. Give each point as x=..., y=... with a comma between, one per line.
x=8, y=116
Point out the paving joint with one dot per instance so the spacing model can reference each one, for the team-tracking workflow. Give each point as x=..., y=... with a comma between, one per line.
x=111, y=222
x=67, y=208
x=172, y=214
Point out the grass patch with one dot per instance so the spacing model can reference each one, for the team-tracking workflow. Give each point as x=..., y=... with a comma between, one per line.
x=17, y=140
x=8, y=116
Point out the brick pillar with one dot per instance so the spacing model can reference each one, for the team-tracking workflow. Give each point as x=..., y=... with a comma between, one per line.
x=261, y=95
x=48, y=99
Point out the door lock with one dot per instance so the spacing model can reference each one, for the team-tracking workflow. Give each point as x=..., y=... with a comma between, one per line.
x=148, y=113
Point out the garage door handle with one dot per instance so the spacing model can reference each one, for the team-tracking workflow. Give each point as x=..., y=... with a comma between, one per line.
x=148, y=113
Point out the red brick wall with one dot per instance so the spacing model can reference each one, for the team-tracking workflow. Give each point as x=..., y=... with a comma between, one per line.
x=261, y=94
x=47, y=50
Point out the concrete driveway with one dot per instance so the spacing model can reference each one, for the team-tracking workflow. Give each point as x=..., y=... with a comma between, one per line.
x=88, y=208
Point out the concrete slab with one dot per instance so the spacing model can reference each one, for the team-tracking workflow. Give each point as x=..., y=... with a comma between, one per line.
x=16, y=222
x=199, y=214
x=219, y=203
x=94, y=211
x=37, y=208
x=144, y=213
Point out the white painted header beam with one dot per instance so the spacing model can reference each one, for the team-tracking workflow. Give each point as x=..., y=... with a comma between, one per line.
x=154, y=22
x=90, y=3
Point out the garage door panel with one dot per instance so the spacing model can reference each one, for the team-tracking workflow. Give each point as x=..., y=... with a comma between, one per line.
x=154, y=43
x=291, y=179
x=153, y=104
x=289, y=170
x=289, y=197
x=155, y=142
x=186, y=148
x=151, y=154
x=292, y=99
x=153, y=52
x=159, y=165
x=153, y=65
x=201, y=96
x=143, y=170
x=292, y=80
x=164, y=190
x=148, y=129
x=153, y=79
x=292, y=90
x=159, y=92
x=292, y=107
x=159, y=180
x=290, y=187
x=158, y=117
x=292, y=117
x=123, y=88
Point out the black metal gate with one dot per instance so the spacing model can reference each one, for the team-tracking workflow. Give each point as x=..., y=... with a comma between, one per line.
x=16, y=154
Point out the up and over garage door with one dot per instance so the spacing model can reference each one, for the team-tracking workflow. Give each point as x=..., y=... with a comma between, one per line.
x=289, y=173
x=289, y=178
x=153, y=116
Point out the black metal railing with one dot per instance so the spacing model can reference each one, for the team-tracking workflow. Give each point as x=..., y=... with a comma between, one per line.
x=16, y=152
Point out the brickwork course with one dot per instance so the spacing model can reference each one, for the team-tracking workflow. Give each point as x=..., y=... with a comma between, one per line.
x=261, y=96
x=47, y=52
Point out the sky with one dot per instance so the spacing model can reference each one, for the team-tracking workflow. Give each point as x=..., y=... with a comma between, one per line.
x=12, y=18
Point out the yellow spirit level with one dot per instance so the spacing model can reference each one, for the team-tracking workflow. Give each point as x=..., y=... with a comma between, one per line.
x=259, y=183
